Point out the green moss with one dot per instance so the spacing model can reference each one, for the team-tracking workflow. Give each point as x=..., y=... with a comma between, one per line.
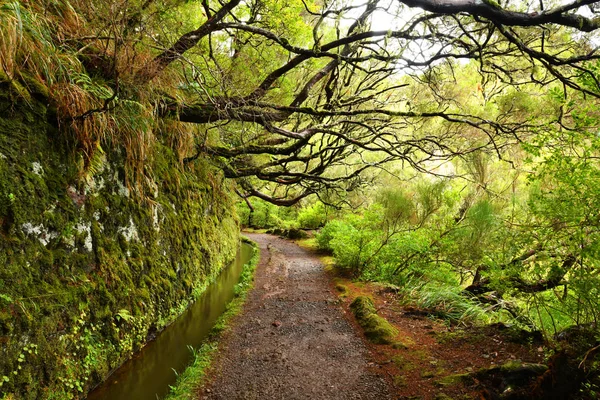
x=454, y=380
x=514, y=373
x=400, y=381
x=34, y=85
x=377, y=329
x=513, y=365
x=75, y=257
x=402, y=363
x=343, y=289
x=362, y=306
x=399, y=345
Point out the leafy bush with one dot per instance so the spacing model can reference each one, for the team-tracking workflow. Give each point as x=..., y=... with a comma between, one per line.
x=265, y=215
x=328, y=232
x=353, y=246
x=352, y=240
x=312, y=217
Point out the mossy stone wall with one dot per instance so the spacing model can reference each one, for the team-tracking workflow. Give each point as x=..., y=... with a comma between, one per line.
x=88, y=271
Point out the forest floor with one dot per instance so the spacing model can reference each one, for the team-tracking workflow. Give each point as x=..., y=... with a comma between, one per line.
x=296, y=339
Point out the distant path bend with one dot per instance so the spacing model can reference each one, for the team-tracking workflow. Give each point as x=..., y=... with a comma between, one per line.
x=292, y=341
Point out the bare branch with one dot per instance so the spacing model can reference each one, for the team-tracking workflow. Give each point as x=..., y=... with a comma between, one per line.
x=492, y=11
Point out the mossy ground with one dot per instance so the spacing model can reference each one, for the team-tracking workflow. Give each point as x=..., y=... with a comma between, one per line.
x=90, y=271
x=453, y=380
x=376, y=328
x=428, y=357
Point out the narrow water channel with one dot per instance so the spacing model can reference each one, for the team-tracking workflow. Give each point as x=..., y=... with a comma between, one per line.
x=149, y=373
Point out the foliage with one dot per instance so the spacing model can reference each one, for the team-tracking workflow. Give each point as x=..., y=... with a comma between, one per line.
x=328, y=232
x=435, y=239
x=265, y=215
x=121, y=124
x=313, y=216
x=352, y=240
x=447, y=302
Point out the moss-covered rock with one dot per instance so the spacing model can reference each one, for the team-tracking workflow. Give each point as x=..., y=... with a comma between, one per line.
x=377, y=329
x=511, y=377
x=454, y=380
x=342, y=289
x=88, y=270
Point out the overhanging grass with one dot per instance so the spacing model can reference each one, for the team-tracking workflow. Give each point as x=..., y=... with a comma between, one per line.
x=189, y=381
x=447, y=302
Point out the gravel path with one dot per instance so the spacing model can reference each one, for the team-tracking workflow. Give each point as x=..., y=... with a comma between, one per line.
x=292, y=340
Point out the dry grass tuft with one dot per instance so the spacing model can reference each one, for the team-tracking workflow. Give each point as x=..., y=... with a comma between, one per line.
x=84, y=56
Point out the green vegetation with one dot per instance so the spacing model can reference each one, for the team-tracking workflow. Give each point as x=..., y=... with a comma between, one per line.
x=192, y=377
x=452, y=380
x=377, y=329
x=453, y=157
x=265, y=215
x=90, y=271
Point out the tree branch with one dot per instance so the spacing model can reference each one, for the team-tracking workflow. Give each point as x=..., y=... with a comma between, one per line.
x=183, y=44
x=492, y=11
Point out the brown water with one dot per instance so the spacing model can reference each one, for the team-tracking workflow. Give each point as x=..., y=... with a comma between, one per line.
x=149, y=373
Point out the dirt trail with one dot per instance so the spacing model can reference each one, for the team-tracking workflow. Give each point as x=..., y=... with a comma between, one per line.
x=293, y=340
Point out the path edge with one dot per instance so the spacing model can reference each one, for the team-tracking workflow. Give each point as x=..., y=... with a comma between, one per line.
x=193, y=377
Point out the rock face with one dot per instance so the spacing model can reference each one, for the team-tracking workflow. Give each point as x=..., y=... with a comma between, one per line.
x=89, y=269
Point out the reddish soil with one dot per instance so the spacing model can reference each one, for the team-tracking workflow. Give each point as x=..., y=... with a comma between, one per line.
x=296, y=339
x=434, y=350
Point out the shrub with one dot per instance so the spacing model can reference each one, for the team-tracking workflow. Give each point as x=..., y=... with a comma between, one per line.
x=352, y=247
x=312, y=217
x=328, y=232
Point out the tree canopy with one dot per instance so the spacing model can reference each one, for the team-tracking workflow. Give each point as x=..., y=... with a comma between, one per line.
x=293, y=98
x=332, y=90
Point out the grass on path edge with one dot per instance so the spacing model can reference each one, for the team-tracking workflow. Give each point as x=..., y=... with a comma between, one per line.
x=192, y=377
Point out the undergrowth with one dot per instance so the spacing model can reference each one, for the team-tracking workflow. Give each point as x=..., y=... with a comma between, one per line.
x=446, y=302
x=83, y=60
